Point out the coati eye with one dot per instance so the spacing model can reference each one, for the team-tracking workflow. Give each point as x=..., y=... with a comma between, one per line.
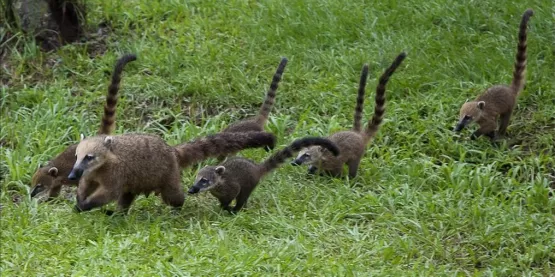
x=89, y=157
x=467, y=117
x=306, y=155
x=203, y=179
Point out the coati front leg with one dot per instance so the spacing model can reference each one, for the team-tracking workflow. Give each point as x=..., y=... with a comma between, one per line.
x=504, y=120
x=353, y=167
x=125, y=201
x=242, y=199
x=98, y=198
x=487, y=128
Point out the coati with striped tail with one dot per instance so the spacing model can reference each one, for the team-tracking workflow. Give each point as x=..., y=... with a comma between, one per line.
x=118, y=168
x=51, y=177
x=351, y=143
x=237, y=177
x=498, y=101
x=257, y=122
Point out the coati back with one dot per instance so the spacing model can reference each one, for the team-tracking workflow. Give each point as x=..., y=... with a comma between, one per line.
x=51, y=177
x=118, y=168
x=351, y=143
x=236, y=178
x=498, y=101
x=257, y=123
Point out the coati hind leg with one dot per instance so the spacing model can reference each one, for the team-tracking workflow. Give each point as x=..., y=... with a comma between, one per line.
x=504, y=120
x=173, y=195
x=125, y=201
x=241, y=202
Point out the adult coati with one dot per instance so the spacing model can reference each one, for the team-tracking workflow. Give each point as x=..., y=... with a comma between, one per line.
x=498, y=101
x=237, y=177
x=257, y=122
x=53, y=175
x=121, y=167
x=351, y=143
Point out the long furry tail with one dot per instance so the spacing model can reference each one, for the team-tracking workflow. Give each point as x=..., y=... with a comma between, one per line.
x=266, y=107
x=278, y=158
x=221, y=144
x=520, y=64
x=108, y=123
x=379, y=108
x=360, y=99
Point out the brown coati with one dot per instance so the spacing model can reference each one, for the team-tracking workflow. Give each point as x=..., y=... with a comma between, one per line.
x=257, y=122
x=111, y=168
x=237, y=177
x=351, y=143
x=53, y=175
x=498, y=101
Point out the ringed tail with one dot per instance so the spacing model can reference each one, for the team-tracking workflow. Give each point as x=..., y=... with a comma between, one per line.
x=221, y=144
x=379, y=108
x=360, y=99
x=109, y=117
x=520, y=64
x=278, y=158
x=266, y=107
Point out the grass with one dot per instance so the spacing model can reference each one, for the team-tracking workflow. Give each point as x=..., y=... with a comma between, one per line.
x=426, y=201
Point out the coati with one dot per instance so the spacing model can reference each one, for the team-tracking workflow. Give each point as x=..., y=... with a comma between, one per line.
x=257, y=122
x=111, y=168
x=351, y=143
x=237, y=177
x=53, y=175
x=499, y=100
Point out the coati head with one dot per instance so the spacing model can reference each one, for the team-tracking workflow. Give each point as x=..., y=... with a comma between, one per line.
x=311, y=155
x=45, y=179
x=91, y=154
x=207, y=178
x=470, y=112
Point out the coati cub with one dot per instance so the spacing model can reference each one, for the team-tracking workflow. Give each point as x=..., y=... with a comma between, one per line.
x=51, y=177
x=351, y=143
x=237, y=177
x=498, y=100
x=111, y=168
x=257, y=122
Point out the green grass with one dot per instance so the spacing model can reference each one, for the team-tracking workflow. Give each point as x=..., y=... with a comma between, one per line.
x=426, y=202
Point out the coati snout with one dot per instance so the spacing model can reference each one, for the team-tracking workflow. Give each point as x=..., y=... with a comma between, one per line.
x=470, y=112
x=80, y=167
x=208, y=177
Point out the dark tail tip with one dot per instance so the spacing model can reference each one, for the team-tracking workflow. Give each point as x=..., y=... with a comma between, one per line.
x=529, y=13
x=128, y=57
x=401, y=57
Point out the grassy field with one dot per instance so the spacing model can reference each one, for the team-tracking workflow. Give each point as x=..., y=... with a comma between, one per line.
x=426, y=201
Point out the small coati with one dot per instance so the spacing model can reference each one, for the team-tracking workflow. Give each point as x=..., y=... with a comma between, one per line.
x=53, y=175
x=257, y=122
x=111, y=168
x=498, y=101
x=237, y=177
x=351, y=143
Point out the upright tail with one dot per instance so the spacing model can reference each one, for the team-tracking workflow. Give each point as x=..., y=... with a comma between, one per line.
x=520, y=64
x=379, y=109
x=264, y=112
x=109, y=118
x=360, y=99
x=278, y=158
x=221, y=144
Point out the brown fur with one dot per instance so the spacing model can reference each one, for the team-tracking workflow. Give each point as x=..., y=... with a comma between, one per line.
x=351, y=143
x=498, y=101
x=236, y=178
x=257, y=122
x=118, y=168
x=51, y=177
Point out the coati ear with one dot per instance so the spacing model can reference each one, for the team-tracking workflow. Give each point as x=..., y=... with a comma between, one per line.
x=53, y=171
x=481, y=105
x=220, y=170
x=82, y=136
x=108, y=141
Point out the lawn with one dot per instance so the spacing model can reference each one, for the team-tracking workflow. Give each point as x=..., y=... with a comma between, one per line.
x=426, y=202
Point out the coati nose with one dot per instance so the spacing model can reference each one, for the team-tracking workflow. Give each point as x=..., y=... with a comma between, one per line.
x=296, y=162
x=459, y=127
x=75, y=174
x=36, y=190
x=193, y=190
